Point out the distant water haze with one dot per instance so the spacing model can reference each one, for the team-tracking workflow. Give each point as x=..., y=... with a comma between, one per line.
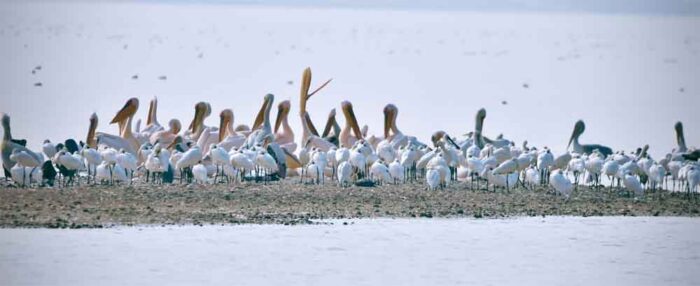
x=629, y=77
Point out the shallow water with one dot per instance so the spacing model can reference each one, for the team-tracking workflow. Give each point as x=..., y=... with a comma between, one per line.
x=519, y=251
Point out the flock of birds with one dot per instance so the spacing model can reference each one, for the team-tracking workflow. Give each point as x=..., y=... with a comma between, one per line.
x=207, y=154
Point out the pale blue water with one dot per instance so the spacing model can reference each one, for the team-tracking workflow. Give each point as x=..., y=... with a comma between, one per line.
x=518, y=251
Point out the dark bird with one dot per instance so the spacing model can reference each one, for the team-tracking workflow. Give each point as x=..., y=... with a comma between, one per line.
x=586, y=148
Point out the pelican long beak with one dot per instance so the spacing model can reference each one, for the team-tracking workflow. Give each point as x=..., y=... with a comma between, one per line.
x=292, y=161
x=225, y=120
x=350, y=117
x=90, y=140
x=578, y=129
x=304, y=95
x=680, y=136
x=177, y=140
x=388, y=119
x=282, y=113
x=329, y=124
x=151, y=111
x=200, y=110
x=127, y=111
x=480, y=116
x=260, y=118
x=310, y=124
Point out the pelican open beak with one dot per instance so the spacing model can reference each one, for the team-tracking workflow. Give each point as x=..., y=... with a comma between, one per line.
x=127, y=111
x=200, y=109
x=578, y=130
x=152, y=111
x=680, y=137
x=90, y=140
x=310, y=124
x=226, y=117
x=305, y=86
x=350, y=117
x=329, y=124
x=282, y=113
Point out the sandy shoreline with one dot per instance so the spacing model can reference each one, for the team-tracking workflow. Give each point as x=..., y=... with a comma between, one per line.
x=289, y=202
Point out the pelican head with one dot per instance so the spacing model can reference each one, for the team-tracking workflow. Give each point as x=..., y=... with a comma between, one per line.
x=127, y=111
x=350, y=117
x=175, y=126
x=282, y=112
x=390, y=114
x=578, y=130
x=226, y=117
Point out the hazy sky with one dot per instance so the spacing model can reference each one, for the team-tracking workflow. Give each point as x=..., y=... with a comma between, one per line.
x=630, y=77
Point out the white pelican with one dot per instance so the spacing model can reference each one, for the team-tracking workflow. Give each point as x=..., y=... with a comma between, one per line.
x=332, y=129
x=304, y=96
x=560, y=183
x=346, y=139
x=152, y=124
x=123, y=118
x=94, y=139
x=167, y=137
x=479, y=139
x=264, y=129
x=202, y=110
x=587, y=148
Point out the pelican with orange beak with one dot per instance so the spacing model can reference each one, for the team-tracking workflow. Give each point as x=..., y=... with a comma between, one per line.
x=284, y=137
x=347, y=140
x=228, y=137
x=152, y=124
x=332, y=129
x=308, y=127
x=123, y=118
x=262, y=130
x=202, y=110
x=579, y=127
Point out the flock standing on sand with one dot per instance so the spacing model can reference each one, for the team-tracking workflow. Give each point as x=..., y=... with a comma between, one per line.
x=225, y=154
